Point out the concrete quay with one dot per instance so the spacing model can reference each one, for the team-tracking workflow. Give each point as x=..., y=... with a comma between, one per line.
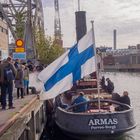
x=25, y=122
x=123, y=67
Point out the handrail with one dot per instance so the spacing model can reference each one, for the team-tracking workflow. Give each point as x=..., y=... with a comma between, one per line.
x=102, y=100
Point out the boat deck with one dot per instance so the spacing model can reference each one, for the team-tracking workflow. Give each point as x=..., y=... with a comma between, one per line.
x=102, y=95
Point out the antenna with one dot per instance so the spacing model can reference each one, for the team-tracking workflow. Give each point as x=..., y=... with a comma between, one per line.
x=78, y=5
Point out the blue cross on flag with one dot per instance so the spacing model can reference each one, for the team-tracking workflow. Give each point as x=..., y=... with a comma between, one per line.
x=73, y=65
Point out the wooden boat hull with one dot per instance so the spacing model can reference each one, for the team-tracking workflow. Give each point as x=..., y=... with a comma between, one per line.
x=90, y=124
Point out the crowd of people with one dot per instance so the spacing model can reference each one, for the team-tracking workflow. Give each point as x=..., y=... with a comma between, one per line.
x=70, y=98
x=14, y=74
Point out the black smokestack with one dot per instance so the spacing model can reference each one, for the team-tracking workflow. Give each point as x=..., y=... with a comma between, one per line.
x=81, y=27
x=115, y=39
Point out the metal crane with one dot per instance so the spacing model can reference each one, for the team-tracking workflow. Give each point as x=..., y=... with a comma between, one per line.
x=57, y=24
x=24, y=15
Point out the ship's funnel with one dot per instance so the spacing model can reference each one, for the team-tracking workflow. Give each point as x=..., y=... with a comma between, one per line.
x=81, y=27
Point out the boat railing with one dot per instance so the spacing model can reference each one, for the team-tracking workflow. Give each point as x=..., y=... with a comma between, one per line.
x=106, y=104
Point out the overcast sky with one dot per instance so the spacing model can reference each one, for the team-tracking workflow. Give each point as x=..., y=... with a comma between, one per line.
x=123, y=15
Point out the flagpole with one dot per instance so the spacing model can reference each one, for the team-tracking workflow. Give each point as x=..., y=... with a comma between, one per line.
x=96, y=67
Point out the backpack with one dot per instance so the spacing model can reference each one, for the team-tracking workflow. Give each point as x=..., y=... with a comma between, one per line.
x=33, y=90
x=8, y=73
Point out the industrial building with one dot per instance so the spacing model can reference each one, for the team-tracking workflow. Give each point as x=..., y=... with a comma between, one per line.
x=122, y=59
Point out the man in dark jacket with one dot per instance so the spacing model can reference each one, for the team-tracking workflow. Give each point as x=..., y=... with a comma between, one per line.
x=116, y=97
x=102, y=82
x=125, y=98
x=8, y=73
x=110, y=86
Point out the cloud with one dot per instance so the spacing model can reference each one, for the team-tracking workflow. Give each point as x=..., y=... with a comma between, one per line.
x=122, y=15
x=48, y=3
x=67, y=22
x=62, y=3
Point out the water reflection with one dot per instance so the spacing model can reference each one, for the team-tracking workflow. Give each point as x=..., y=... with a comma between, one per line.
x=130, y=82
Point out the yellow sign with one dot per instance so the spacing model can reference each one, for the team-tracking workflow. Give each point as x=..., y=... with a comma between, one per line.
x=21, y=49
x=19, y=43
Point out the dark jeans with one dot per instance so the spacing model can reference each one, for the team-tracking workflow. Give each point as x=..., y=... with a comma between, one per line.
x=21, y=91
x=27, y=90
x=7, y=89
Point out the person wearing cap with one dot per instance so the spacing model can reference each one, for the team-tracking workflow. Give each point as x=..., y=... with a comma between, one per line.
x=79, y=99
x=110, y=86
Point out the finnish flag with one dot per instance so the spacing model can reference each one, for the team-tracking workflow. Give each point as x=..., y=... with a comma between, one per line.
x=73, y=65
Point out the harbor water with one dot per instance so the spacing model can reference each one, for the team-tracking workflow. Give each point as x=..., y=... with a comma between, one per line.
x=122, y=81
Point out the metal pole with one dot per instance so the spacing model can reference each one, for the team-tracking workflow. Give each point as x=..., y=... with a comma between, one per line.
x=96, y=67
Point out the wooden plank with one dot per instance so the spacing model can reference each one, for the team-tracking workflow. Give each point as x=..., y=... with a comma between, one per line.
x=15, y=131
x=10, y=121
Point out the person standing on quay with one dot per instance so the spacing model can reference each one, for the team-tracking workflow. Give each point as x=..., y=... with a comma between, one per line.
x=8, y=73
x=19, y=83
x=26, y=79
